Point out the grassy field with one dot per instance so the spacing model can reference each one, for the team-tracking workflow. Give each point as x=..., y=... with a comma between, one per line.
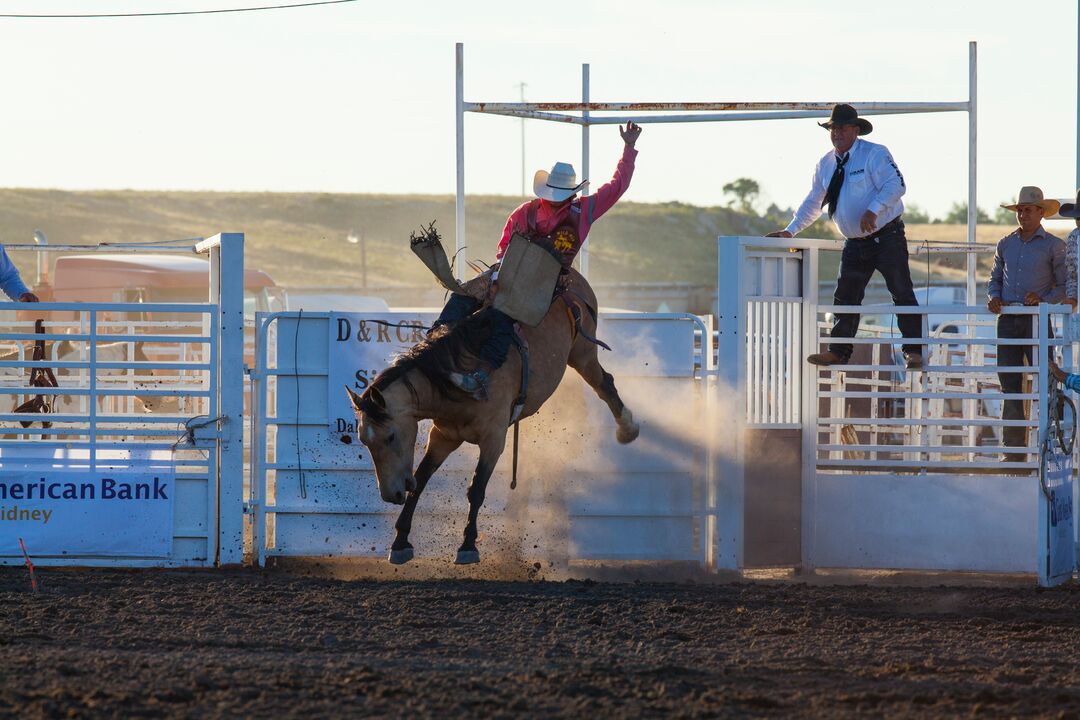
x=299, y=238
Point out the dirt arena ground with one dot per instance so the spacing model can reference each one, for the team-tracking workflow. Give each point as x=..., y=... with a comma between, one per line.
x=105, y=643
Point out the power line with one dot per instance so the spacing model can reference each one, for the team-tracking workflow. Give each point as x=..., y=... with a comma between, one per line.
x=180, y=12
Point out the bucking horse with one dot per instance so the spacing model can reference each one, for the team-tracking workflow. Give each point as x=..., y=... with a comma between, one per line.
x=416, y=387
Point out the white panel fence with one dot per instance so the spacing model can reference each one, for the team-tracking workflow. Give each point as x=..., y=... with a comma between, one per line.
x=582, y=496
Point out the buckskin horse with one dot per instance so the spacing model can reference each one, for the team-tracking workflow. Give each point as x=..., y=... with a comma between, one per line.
x=416, y=387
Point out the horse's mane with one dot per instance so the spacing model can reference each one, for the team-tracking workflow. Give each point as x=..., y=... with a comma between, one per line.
x=435, y=358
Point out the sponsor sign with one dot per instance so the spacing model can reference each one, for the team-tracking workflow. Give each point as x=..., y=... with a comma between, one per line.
x=1061, y=558
x=362, y=346
x=81, y=513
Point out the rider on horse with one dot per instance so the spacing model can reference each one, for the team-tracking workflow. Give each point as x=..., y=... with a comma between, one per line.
x=559, y=218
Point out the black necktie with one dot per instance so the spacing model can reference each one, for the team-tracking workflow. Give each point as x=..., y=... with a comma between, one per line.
x=833, y=193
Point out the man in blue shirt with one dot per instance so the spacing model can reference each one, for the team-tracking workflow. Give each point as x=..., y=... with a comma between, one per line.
x=1071, y=380
x=10, y=281
x=1029, y=268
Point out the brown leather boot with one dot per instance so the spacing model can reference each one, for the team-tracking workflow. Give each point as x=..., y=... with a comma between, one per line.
x=826, y=358
x=913, y=360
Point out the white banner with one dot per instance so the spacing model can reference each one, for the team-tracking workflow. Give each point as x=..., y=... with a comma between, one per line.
x=1061, y=549
x=361, y=346
x=81, y=513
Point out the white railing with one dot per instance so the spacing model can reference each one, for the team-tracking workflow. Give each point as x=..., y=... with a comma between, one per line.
x=895, y=468
x=875, y=416
x=120, y=383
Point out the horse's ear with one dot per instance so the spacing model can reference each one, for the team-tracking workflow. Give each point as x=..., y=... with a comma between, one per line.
x=354, y=398
x=377, y=398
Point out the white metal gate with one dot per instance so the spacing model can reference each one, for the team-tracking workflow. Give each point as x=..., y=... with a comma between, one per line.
x=146, y=388
x=899, y=469
x=316, y=495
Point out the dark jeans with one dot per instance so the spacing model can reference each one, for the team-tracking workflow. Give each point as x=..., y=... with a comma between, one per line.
x=1016, y=326
x=887, y=253
x=457, y=308
x=497, y=344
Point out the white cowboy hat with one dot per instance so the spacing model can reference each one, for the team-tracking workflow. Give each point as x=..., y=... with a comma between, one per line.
x=1031, y=195
x=559, y=184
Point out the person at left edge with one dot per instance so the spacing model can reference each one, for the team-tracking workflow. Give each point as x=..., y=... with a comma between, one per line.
x=1070, y=380
x=11, y=282
x=861, y=185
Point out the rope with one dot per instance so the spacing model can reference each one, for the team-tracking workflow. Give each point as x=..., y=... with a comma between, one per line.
x=80, y=16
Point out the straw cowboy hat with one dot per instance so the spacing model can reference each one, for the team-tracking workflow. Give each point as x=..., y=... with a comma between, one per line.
x=559, y=184
x=1071, y=210
x=844, y=114
x=1031, y=195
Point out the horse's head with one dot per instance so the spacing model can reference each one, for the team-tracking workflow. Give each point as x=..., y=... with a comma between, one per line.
x=390, y=436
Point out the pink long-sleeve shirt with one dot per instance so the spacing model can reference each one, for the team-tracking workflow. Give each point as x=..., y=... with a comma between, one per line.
x=591, y=207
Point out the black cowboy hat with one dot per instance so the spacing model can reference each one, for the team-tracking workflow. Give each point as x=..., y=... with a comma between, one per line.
x=1071, y=210
x=844, y=114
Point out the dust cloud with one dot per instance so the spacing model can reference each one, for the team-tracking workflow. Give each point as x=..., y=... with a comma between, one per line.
x=585, y=505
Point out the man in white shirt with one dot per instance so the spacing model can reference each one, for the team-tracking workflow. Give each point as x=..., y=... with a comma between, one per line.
x=861, y=186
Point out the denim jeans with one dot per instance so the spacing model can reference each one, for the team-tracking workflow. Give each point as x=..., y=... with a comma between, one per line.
x=457, y=308
x=500, y=327
x=887, y=253
x=1016, y=326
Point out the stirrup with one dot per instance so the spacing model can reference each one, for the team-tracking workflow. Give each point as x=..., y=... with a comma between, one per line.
x=474, y=383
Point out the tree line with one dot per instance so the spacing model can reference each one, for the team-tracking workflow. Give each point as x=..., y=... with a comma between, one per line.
x=742, y=194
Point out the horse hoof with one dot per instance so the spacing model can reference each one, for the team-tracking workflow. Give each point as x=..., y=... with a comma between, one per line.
x=627, y=433
x=467, y=557
x=400, y=557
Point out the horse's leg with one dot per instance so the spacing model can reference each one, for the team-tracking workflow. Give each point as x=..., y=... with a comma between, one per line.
x=490, y=450
x=583, y=358
x=438, y=449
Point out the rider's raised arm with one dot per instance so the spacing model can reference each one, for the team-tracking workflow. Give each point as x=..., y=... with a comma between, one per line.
x=593, y=206
x=10, y=281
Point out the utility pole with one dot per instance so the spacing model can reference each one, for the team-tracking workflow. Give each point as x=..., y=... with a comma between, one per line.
x=521, y=87
x=363, y=259
x=358, y=238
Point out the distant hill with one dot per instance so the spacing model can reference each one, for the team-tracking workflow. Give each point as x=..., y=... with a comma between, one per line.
x=299, y=238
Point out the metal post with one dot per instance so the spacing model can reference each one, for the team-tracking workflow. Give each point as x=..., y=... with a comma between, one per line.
x=363, y=259
x=972, y=217
x=42, y=262
x=730, y=498
x=93, y=375
x=521, y=86
x=227, y=279
x=970, y=406
x=808, y=417
x=459, y=206
x=583, y=262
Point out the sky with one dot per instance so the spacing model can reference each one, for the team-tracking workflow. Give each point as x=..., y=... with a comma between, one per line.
x=359, y=97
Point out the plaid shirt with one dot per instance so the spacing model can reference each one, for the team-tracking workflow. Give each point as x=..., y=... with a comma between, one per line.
x=1070, y=263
